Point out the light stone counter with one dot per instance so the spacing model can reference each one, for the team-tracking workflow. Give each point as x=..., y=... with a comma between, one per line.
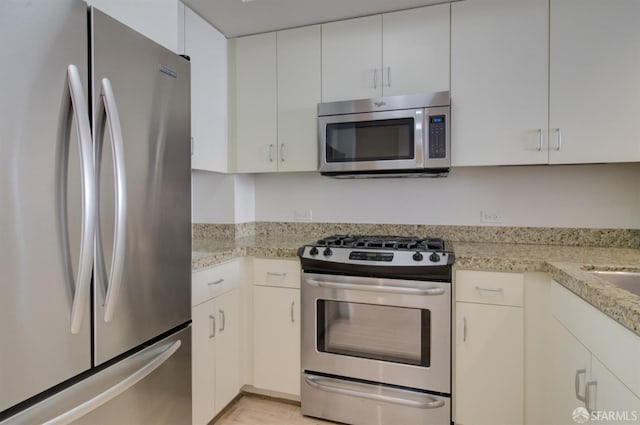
x=564, y=264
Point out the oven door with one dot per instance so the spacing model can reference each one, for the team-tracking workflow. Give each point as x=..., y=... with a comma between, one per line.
x=389, y=331
x=388, y=140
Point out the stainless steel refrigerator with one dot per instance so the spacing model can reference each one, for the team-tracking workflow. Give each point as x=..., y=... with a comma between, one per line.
x=95, y=220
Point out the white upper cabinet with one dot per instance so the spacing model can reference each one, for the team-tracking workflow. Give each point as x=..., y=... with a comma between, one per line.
x=415, y=50
x=207, y=49
x=499, y=82
x=594, y=81
x=277, y=90
x=351, y=59
x=256, y=116
x=298, y=97
x=383, y=55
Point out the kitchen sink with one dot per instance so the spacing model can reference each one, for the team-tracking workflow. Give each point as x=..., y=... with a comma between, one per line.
x=628, y=280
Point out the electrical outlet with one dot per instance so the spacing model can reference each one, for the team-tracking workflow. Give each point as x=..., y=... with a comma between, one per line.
x=490, y=216
x=302, y=214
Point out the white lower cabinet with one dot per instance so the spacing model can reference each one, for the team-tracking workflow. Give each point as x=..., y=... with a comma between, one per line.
x=215, y=368
x=593, y=375
x=489, y=349
x=276, y=326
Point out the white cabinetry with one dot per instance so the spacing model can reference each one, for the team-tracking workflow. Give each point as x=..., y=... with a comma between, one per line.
x=277, y=89
x=499, y=82
x=594, y=364
x=298, y=97
x=391, y=54
x=277, y=326
x=216, y=340
x=514, y=101
x=256, y=117
x=595, y=81
x=489, y=351
x=207, y=49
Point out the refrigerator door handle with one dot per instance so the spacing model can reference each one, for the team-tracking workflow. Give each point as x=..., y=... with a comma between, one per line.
x=76, y=103
x=117, y=389
x=109, y=112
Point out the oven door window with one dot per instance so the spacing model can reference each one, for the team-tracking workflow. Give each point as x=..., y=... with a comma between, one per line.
x=387, y=333
x=390, y=139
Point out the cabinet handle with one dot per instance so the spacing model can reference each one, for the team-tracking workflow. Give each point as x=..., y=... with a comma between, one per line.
x=223, y=320
x=577, y=383
x=375, y=78
x=558, y=139
x=276, y=274
x=540, y=139
x=293, y=319
x=388, y=76
x=215, y=282
x=192, y=146
x=271, y=152
x=588, y=393
x=464, y=329
x=212, y=326
x=282, y=157
x=489, y=289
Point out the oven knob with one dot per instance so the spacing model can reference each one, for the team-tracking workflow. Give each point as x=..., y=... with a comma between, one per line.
x=327, y=252
x=417, y=256
x=313, y=250
x=434, y=258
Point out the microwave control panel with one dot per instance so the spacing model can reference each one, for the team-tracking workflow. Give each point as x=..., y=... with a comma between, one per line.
x=437, y=136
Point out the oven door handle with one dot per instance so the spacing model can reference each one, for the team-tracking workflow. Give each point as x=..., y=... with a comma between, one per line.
x=405, y=289
x=372, y=392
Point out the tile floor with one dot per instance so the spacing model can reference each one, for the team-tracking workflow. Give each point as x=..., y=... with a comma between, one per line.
x=258, y=410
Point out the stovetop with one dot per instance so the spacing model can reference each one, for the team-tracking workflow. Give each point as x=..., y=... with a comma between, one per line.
x=379, y=255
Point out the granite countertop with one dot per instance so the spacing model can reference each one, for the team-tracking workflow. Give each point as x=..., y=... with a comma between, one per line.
x=565, y=264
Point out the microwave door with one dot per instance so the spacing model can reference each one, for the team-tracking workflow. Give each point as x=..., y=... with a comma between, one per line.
x=389, y=140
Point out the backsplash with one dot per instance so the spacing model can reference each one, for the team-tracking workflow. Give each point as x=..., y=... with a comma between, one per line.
x=620, y=238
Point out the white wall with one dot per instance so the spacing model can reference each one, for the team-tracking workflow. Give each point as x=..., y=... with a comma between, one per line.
x=592, y=196
x=156, y=19
x=222, y=198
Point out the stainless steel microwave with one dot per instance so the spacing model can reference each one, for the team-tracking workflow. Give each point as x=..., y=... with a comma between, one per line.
x=386, y=136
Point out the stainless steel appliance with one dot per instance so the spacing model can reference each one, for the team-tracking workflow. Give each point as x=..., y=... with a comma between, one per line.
x=376, y=330
x=395, y=136
x=95, y=266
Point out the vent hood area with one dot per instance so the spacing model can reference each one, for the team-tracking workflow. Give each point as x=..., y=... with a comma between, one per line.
x=235, y=18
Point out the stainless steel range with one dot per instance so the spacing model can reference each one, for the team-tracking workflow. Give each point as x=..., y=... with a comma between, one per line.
x=376, y=330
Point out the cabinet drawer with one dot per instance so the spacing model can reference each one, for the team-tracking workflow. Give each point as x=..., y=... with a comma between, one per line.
x=209, y=283
x=489, y=287
x=284, y=273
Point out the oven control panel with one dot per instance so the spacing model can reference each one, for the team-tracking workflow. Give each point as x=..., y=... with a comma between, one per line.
x=370, y=256
x=377, y=256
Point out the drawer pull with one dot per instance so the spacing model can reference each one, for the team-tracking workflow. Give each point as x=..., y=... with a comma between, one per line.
x=215, y=282
x=276, y=274
x=489, y=289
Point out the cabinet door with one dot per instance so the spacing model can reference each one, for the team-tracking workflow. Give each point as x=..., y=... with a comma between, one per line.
x=255, y=111
x=613, y=401
x=489, y=364
x=227, y=348
x=207, y=49
x=298, y=97
x=352, y=59
x=277, y=339
x=499, y=82
x=415, y=49
x=203, y=373
x=571, y=364
x=595, y=81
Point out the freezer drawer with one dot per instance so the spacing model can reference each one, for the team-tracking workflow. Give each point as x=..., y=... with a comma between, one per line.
x=361, y=403
x=152, y=386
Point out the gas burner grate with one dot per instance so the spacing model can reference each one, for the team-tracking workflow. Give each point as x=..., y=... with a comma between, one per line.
x=399, y=243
